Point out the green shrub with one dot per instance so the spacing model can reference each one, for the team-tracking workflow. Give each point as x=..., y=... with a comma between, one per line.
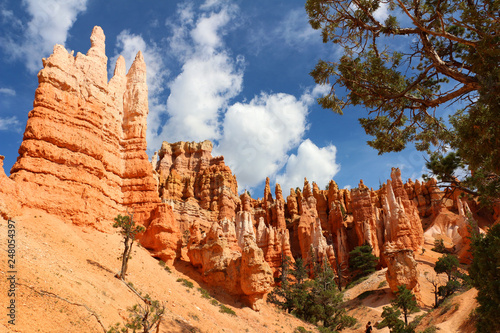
x=382, y=284
x=186, y=283
x=214, y=302
x=204, y=293
x=164, y=265
x=439, y=246
x=225, y=309
x=301, y=329
x=362, y=261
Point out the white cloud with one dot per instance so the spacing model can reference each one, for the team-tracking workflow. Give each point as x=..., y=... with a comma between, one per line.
x=257, y=135
x=10, y=123
x=295, y=29
x=8, y=91
x=382, y=13
x=317, y=164
x=49, y=25
x=209, y=77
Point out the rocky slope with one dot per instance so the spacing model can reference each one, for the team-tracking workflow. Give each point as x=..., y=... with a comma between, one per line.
x=83, y=161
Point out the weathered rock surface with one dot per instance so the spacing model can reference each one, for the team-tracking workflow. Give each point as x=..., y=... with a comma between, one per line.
x=401, y=268
x=10, y=193
x=241, y=271
x=83, y=159
x=83, y=153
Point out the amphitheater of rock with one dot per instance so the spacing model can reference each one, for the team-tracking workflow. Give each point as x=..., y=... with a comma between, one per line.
x=83, y=158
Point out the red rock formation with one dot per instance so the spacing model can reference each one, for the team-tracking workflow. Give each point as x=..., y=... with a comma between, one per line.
x=401, y=220
x=401, y=268
x=223, y=263
x=83, y=152
x=163, y=236
x=367, y=221
x=9, y=195
x=278, y=210
x=275, y=243
x=199, y=186
x=256, y=275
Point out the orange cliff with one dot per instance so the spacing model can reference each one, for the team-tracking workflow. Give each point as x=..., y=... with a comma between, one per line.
x=83, y=159
x=83, y=152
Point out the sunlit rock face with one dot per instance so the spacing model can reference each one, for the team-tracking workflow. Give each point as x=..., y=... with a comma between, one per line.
x=83, y=153
x=83, y=159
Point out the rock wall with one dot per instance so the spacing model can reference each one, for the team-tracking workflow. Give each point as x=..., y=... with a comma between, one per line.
x=83, y=158
x=83, y=152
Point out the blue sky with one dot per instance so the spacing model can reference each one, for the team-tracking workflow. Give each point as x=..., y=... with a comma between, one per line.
x=234, y=72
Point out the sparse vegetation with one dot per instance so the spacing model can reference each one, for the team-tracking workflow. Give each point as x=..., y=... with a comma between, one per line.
x=214, y=302
x=382, y=284
x=301, y=329
x=439, y=246
x=185, y=283
x=204, y=293
x=315, y=301
x=129, y=230
x=164, y=265
x=430, y=329
x=405, y=304
x=145, y=317
x=356, y=282
x=225, y=309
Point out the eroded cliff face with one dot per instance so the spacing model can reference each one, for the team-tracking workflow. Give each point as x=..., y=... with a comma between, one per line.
x=83, y=159
x=83, y=153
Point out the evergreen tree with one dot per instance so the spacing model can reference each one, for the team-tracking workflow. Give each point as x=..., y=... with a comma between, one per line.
x=129, y=230
x=447, y=264
x=362, y=261
x=405, y=304
x=485, y=274
x=405, y=69
x=405, y=301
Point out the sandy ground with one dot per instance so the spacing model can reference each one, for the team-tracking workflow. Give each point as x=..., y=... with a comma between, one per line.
x=54, y=258
x=66, y=274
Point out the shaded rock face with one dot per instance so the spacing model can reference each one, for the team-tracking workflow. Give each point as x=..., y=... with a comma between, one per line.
x=240, y=269
x=83, y=153
x=401, y=268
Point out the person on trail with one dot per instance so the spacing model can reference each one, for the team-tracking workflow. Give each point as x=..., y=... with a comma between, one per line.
x=369, y=327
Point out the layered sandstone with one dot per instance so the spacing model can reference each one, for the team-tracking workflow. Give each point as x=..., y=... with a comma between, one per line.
x=200, y=188
x=402, y=268
x=237, y=265
x=83, y=152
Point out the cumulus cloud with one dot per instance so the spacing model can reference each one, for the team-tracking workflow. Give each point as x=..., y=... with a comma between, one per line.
x=49, y=25
x=317, y=164
x=382, y=13
x=10, y=123
x=209, y=76
x=8, y=91
x=257, y=135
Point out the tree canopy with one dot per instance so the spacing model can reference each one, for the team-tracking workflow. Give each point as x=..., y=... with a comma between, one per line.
x=412, y=63
x=485, y=274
